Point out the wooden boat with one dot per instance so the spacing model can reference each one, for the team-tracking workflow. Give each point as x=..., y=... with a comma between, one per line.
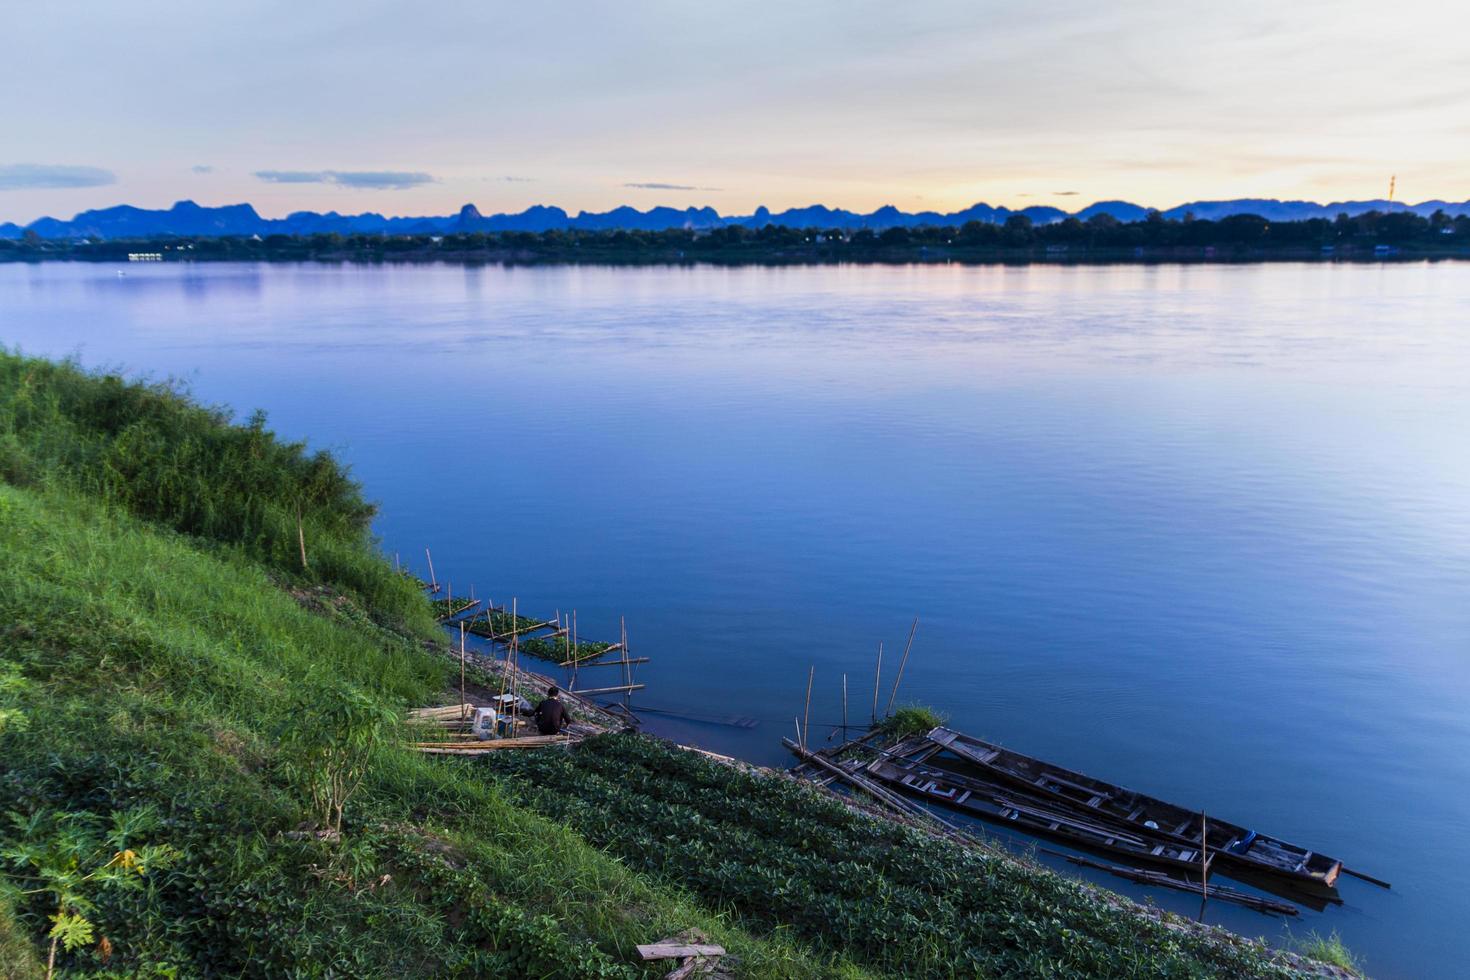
x=1020, y=811
x=1234, y=850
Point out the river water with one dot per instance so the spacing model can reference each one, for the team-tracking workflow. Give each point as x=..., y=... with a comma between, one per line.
x=1200, y=530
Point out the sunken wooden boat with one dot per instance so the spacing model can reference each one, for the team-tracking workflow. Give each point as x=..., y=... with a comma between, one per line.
x=1234, y=850
x=1021, y=811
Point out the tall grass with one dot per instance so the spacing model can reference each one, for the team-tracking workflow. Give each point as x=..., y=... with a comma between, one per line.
x=148, y=448
x=1330, y=950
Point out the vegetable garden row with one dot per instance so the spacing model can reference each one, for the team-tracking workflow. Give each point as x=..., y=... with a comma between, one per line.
x=778, y=854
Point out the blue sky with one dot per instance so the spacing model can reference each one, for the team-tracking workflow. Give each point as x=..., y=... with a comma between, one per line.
x=419, y=108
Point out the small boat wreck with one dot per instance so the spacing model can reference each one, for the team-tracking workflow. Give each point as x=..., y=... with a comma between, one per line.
x=980, y=779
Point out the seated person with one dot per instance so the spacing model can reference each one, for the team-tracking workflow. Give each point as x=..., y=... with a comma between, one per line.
x=552, y=716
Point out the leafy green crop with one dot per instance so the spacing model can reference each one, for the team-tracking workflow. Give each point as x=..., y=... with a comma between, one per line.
x=775, y=853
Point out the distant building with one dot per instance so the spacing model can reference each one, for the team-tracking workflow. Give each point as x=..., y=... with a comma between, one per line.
x=145, y=256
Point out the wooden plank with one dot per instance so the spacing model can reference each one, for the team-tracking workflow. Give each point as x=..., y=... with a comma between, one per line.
x=677, y=951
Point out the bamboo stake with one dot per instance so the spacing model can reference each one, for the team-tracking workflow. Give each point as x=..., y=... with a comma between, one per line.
x=461, y=669
x=504, y=674
x=433, y=582
x=844, y=707
x=627, y=670
x=301, y=537
x=907, y=646
x=1204, y=861
x=575, y=654
x=810, y=673
x=514, y=653
x=877, y=673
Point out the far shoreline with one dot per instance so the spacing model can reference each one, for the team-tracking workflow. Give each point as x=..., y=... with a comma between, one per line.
x=168, y=253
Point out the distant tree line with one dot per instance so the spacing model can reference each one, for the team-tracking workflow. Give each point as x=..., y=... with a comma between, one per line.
x=1102, y=236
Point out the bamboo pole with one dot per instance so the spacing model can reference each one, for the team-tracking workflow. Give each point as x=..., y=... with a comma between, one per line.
x=811, y=672
x=1204, y=859
x=461, y=668
x=514, y=653
x=844, y=707
x=433, y=582
x=901, y=664
x=610, y=690
x=627, y=669
x=877, y=674
x=301, y=537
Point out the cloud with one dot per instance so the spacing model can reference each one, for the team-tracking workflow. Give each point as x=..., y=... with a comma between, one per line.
x=202, y=168
x=517, y=180
x=656, y=186
x=1065, y=193
x=30, y=176
x=370, y=179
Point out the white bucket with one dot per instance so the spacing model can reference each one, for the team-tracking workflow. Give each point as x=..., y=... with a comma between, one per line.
x=484, y=723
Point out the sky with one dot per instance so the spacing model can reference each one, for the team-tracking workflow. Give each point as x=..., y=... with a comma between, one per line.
x=418, y=108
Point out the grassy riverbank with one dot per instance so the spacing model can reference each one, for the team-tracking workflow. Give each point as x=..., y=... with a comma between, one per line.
x=169, y=704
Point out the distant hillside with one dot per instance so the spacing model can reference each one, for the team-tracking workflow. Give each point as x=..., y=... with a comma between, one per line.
x=189, y=219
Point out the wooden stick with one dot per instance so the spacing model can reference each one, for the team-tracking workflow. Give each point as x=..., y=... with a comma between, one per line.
x=301, y=537
x=1162, y=880
x=1368, y=878
x=433, y=582
x=461, y=663
x=674, y=951
x=907, y=646
x=612, y=663
x=627, y=670
x=877, y=674
x=609, y=690
x=613, y=648
x=871, y=788
x=806, y=725
x=844, y=707
x=514, y=653
x=1204, y=858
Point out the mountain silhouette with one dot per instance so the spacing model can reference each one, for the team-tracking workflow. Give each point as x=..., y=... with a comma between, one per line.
x=188, y=219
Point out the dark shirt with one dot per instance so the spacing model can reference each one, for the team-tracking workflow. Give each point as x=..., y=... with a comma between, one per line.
x=551, y=716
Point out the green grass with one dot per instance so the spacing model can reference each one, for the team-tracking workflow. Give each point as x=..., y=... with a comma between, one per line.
x=150, y=450
x=911, y=719
x=1329, y=950
x=18, y=960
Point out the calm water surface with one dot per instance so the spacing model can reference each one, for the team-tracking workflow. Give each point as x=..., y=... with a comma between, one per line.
x=1202, y=530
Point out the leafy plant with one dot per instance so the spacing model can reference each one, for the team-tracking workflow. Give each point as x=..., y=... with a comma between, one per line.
x=328, y=745
x=65, y=856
